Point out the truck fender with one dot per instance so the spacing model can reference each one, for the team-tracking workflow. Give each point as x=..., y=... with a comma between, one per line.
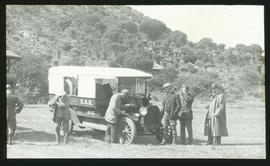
x=132, y=116
x=74, y=117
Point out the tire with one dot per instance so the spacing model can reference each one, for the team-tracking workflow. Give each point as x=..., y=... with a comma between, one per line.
x=127, y=131
x=160, y=135
x=170, y=136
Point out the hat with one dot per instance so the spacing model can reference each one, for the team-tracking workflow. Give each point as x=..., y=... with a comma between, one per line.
x=166, y=85
x=124, y=91
x=217, y=86
x=61, y=93
x=8, y=86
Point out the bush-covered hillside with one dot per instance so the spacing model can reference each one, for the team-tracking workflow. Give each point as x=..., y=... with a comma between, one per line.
x=119, y=36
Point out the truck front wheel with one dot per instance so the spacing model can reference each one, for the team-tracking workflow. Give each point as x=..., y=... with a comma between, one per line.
x=127, y=131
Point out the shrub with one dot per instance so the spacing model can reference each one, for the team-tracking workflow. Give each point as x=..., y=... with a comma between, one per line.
x=153, y=28
x=131, y=27
x=138, y=60
x=167, y=75
x=199, y=82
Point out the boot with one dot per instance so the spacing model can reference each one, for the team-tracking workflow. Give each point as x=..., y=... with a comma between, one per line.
x=163, y=141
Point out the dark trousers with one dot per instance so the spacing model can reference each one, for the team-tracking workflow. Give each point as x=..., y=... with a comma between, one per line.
x=183, y=125
x=65, y=125
x=110, y=135
x=214, y=140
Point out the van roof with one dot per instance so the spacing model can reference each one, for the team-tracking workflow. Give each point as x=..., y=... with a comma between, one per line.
x=99, y=72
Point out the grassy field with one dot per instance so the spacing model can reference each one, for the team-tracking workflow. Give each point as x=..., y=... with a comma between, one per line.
x=246, y=126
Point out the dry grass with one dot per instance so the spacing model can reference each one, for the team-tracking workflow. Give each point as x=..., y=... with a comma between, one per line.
x=246, y=126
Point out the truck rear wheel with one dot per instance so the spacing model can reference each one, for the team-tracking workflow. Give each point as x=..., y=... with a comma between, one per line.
x=160, y=135
x=127, y=131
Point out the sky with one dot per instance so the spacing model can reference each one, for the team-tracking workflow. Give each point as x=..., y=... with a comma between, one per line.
x=230, y=25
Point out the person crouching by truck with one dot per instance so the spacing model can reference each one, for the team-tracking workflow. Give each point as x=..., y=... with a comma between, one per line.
x=14, y=106
x=171, y=105
x=60, y=105
x=113, y=113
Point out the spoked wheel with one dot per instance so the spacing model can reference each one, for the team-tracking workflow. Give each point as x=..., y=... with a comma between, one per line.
x=160, y=135
x=170, y=136
x=127, y=131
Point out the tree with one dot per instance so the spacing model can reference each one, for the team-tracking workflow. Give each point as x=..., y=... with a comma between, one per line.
x=139, y=59
x=91, y=20
x=206, y=43
x=153, y=28
x=32, y=76
x=178, y=38
x=101, y=27
x=115, y=35
x=131, y=27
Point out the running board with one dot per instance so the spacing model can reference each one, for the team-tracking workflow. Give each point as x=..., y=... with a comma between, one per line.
x=93, y=126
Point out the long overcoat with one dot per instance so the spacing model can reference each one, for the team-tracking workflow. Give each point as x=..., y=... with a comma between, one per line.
x=215, y=121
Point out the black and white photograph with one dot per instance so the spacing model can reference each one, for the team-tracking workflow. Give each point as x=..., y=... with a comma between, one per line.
x=135, y=81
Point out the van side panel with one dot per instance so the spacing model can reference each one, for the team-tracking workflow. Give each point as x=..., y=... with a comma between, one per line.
x=56, y=83
x=86, y=86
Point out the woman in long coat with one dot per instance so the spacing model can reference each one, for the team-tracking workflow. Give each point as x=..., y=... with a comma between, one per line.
x=215, y=122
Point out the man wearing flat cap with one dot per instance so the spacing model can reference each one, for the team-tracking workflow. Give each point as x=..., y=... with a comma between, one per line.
x=215, y=123
x=170, y=107
x=14, y=106
x=113, y=114
x=60, y=105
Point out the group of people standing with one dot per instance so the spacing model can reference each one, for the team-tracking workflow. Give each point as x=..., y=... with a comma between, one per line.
x=174, y=107
x=179, y=107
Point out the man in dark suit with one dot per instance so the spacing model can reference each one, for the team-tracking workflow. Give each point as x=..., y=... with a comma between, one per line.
x=185, y=114
x=171, y=105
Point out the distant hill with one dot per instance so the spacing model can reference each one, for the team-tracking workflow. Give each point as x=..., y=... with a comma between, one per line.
x=119, y=36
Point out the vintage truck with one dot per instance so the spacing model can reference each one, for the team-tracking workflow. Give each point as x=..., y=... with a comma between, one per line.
x=90, y=89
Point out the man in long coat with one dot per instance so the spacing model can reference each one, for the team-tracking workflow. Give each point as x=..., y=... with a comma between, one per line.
x=171, y=105
x=62, y=116
x=14, y=106
x=113, y=114
x=215, y=123
x=186, y=115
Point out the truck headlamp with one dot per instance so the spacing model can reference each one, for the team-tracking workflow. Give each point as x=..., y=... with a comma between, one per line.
x=143, y=111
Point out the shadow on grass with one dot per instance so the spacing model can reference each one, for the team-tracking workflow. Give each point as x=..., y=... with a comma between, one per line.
x=94, y=134
x=29, y=136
